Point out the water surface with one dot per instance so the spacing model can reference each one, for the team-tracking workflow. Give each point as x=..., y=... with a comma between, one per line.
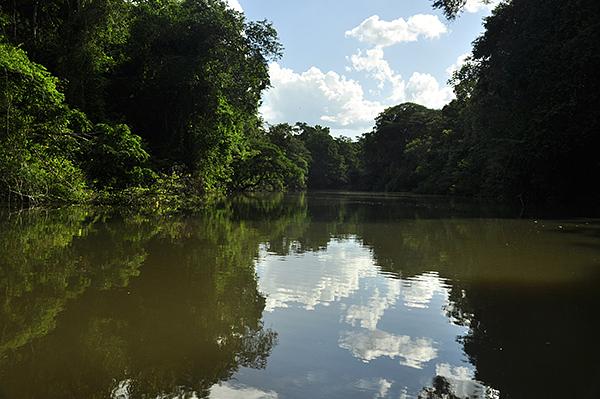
x=300, y=296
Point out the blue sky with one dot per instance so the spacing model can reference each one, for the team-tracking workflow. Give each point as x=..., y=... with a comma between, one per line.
x=347, y=60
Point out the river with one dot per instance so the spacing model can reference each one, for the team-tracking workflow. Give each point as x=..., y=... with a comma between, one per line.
x=324, y=295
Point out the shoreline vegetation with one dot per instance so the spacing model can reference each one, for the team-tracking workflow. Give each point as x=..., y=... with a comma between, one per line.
x=153, y=104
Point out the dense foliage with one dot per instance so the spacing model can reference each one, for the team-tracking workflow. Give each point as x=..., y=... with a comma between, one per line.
x=525, y=120
x=523, y=127
x=149, y=101
x=106, y=98
x=51, y=261
x=37, y=149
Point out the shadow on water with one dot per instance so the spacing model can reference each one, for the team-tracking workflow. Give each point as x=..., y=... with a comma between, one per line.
x=98, y=305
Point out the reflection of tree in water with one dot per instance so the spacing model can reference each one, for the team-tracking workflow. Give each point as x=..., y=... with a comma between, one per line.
x=192, y=316
x=43, y=265
x=441, y=389
x=527, y=297
x=527, y=292
x=534, y=341
x=279, y=218
x=190, y=320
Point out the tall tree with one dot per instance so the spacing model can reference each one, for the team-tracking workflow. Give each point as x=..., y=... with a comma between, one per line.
x=193, y=80
x=532, y=100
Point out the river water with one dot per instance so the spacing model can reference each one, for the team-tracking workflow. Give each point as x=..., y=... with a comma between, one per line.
x=326, y=295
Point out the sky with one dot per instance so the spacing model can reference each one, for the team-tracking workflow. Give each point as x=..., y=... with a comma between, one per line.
x=345, y=61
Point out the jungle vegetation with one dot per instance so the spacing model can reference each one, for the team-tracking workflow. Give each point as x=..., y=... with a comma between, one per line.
x=155, y=102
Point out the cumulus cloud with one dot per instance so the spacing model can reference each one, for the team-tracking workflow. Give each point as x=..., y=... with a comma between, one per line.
x=374, y=64
x=421, y=88
x=424, y=89
x=474, y=6
x=235, y=4
x=460, y=61
x=317, y=97
x=380, y=33
x=332, y=99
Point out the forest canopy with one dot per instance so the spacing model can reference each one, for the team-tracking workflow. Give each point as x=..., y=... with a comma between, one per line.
x=156, y=102
x=110, y=94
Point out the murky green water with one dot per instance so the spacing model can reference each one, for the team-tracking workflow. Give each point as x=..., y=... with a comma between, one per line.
x=321, y=296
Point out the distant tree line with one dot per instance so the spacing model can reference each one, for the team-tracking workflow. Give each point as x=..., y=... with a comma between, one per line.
x=156, y=101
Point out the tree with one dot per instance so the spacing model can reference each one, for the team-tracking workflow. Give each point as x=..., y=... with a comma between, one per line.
x=287, y=138
x=114, y=157
x=266, y=167
x=80, y=42
x=186, y=75
x=37, y=162
x=398, y=153
x=327, y=169
x=530, y=100
x=192, y=82
x=451, y=8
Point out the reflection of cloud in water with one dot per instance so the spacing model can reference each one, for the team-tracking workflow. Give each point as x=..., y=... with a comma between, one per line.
x=369, y=315
x=418, y=291
x=370, y=345
x=315, y=278
x=224, y=390
x=462, y=382
x=379, y=387
x=227, y=390
x=325, y=277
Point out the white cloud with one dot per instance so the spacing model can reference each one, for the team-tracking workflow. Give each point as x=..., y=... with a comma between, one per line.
x=227, y=390
x=331, y=99
x=421, y=88
x=474, y=6
x=235, y=4
x=370, y=345
x=374, y=64
x=424, y=89
x=317, y=97
x=380, y=33
x=460, y=61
